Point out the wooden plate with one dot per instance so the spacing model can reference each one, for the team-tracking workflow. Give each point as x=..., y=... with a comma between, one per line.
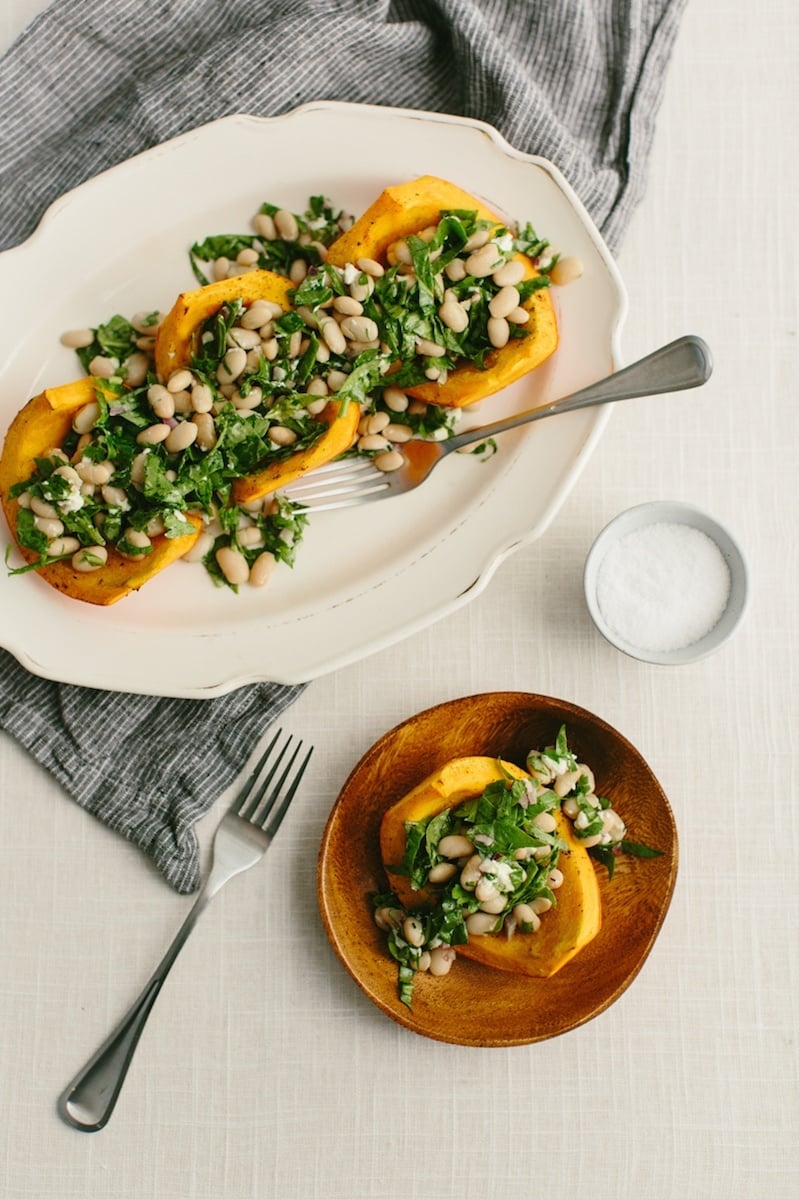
x=474, y=1005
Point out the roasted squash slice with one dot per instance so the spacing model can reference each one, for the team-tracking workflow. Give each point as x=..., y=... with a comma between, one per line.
x=564, y=930
x=173, y=349
x=409, y=208
x=37, y=429
x=174, y=343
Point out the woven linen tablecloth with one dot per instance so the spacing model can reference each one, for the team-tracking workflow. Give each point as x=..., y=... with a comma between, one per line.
x=96, y=81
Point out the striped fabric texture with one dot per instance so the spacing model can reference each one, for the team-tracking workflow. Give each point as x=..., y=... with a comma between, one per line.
x=92, y=82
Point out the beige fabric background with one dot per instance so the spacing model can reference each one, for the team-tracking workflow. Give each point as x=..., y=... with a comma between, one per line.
x=263, y=1070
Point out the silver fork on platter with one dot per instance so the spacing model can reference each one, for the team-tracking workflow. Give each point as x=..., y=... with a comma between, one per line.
x=349, y=482
x=242, y=838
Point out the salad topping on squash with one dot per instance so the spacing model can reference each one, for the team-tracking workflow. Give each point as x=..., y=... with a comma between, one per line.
x=315, y=337
x=494, y=863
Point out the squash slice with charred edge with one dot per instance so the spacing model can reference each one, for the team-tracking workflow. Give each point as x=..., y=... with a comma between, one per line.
x=173, y=349
x=564, y=930
x=38, y=428
x=410, y=207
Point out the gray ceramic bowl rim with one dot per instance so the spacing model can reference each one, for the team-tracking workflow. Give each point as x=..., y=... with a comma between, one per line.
x=669, y=511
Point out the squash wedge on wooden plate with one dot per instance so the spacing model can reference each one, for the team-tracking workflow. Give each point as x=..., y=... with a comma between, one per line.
x=564, y=931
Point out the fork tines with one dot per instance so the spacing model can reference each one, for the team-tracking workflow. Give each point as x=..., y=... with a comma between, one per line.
x=337, y=484
x=269, y=813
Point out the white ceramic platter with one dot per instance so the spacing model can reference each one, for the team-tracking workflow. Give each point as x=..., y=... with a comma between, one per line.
x=364, y=578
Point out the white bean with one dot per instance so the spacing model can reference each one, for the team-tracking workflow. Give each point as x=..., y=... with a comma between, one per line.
x=60, y=546
x=181, y=437
x=470, y=875
x=77, y=339
x=389, y=460
x=413, y=931
x=206, y=430
x=485, y=889
x=395, y=399
x=442, y=872
x=202, y=398
x=429, y=349
x=566, y=270
x=248, y=339
x=262, y=569
x=333, y=336
x=479, y=238
x=231, y=365
x=153, y=435
x=398, y=434
x=565, y=782
x=370, y=266
x=455, y=846
x=286, y=225
x=264, y=226
x=246, y=403
x=479, y=924
x=146, y=322
x=454, y=315
x=135, y=369
x=115, y=497
x=90, y=558
x=161, y=401
x=138, y=469
x=359, y=328
x=86, y=417
x=297, y=271
x=50, y=526
x=527, y=917
x=103, y=367
x=509, y=274
x=377, y=422
x=504, y=302
x=484, y=261
x=519, y=316
x=136, y=538
x=280, y=435
x=373, y=441
x=546, y=822
x=498, y=332
x=455, y=270
x=441, y=959
x=42, y=508
x=233, y=565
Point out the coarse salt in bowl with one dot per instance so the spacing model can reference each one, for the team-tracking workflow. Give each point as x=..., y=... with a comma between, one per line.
x=666, y=583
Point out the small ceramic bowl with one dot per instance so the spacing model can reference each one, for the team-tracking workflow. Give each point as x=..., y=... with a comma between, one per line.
x=672, y=513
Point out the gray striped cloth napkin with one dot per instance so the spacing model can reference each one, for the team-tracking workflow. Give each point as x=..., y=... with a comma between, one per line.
x=92, y=82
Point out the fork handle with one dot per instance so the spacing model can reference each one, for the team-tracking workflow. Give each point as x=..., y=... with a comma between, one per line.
x=681, y=364
x=89, y=1099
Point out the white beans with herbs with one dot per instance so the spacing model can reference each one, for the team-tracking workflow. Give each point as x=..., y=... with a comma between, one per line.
x=483, y=886
x=150, y=450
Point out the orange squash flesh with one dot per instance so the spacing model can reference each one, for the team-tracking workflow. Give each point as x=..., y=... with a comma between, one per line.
x=37, y=429
x=564, y=930
x=174, y=341
x=173, y=349
x=410, y=207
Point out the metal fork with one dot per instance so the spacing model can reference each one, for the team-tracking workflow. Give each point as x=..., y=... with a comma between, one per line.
x=242, y=838
x=348, y=482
